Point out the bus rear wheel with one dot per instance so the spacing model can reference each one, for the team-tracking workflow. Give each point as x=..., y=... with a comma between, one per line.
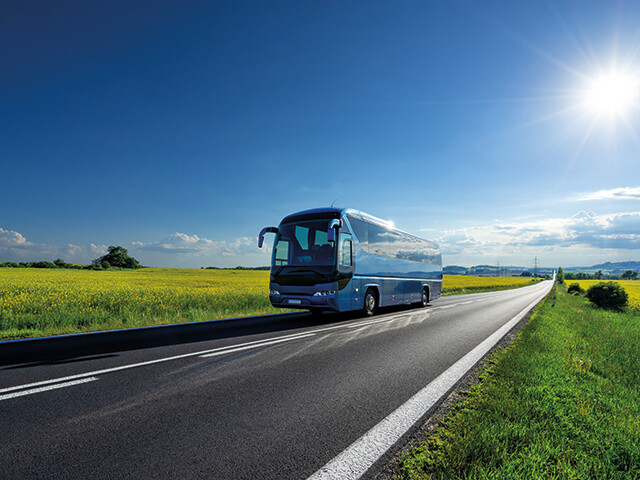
x=424, y=301
x=370, y=302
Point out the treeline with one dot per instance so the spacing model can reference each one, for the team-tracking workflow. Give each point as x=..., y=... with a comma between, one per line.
x=235, y=268
x=59, y=263
x=599, y=275
x=116, y=258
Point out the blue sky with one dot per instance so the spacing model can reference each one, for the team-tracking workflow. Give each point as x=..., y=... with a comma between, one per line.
x=179, y=129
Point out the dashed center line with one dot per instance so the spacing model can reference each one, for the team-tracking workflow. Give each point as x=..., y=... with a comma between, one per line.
x=22, y=393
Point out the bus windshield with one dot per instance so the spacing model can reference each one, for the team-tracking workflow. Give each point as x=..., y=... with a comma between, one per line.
x=304, y=244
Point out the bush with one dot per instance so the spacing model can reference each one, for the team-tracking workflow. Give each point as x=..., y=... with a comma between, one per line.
x=575, y=289
x=608, y=295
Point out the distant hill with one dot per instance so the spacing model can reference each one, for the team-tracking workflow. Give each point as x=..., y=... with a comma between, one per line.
x=615, y=268
x=618, y=266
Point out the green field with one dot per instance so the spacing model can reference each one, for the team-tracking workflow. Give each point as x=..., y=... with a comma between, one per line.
x=39, y=301
x=563, y=401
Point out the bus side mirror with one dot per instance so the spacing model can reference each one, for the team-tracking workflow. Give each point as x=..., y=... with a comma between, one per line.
x=262, y=232
x=331, y=233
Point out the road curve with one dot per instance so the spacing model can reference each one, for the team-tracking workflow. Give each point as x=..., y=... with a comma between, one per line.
x=274, y=404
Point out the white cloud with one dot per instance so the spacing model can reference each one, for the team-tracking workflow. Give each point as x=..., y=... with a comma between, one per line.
x=621, y=193
x=193, y=249
x=177, y=250
x=585, y=231
x=178, y=243
x=15, y=247
x=12, y=239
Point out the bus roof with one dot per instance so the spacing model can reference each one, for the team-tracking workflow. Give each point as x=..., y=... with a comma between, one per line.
x=332, y=212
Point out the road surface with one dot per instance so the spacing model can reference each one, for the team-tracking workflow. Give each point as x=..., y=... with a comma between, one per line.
x=276, y=404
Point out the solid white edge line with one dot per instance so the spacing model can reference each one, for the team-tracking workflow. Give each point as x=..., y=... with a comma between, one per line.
x=356, y=459
x=44, y=389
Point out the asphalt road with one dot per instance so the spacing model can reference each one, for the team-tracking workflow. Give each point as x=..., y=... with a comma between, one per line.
x=276, y=404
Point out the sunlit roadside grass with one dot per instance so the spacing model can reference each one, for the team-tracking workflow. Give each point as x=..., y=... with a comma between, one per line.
x=563, y=401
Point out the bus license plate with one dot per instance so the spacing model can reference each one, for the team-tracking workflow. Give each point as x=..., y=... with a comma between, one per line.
x=295, y=302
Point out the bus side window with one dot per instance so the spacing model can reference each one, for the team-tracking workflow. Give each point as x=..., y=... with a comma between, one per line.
x=346, y=251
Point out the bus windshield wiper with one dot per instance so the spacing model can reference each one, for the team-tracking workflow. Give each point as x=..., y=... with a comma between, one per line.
x=307, y=270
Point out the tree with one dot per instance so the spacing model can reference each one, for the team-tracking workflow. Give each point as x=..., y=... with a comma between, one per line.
x=117, y=257
x=629, y=275
x=560, y=276
x=598, y=275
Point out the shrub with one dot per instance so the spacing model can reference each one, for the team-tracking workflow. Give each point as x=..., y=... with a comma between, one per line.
x=608, y=295
x=575, y=289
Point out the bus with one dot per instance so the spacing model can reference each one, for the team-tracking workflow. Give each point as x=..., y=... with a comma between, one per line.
x=332, y=259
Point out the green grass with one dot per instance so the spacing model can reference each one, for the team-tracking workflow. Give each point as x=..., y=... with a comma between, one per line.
x=563, y=401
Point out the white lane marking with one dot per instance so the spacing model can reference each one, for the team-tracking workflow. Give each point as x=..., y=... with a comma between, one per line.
x=444, y=307
x=371, y=322
x=215, y=354
x=222, y=350
x=21, y=393
x=353, y=462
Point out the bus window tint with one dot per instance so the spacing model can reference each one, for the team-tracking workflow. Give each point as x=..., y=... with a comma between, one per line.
x=361, y=231
x=282, y=252
x=346, y=250
x=302, y=236
x=321, y=238
x=378, y=240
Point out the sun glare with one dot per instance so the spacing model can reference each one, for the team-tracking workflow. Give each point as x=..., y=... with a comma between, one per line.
x=612, y=94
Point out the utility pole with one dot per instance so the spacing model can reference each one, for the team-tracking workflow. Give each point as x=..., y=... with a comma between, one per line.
x=498, y=269
x=535, y=267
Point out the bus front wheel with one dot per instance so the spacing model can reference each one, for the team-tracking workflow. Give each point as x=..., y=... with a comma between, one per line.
x=370, y=302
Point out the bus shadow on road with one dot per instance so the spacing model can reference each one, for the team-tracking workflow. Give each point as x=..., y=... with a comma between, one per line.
x=88, y=346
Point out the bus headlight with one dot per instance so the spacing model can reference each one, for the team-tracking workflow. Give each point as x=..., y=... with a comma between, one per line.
x=324, y=293
x=274, y=292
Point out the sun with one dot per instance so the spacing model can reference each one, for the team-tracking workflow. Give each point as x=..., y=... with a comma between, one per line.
x=612, y=94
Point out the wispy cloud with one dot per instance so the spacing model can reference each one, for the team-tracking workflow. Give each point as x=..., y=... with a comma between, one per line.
x=177, y=250
x=193, y=245
x=584, y=229
x=14, y=246
x=621, y=193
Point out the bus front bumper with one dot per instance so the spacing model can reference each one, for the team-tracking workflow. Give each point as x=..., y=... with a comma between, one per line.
x=307, y=301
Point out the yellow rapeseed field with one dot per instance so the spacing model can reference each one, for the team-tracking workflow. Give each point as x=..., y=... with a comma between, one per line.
x=36, y=302
x=632, y=287
x=51, y=301
x=454, y=284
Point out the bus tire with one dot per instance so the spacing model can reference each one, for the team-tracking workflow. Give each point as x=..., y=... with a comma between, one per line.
x=425, y=297
x=370, y=302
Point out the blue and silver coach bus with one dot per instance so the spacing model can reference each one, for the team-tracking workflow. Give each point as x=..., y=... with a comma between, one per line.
x=344, y=259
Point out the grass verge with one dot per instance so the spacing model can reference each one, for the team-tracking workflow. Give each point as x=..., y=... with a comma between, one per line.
x=562, y=401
